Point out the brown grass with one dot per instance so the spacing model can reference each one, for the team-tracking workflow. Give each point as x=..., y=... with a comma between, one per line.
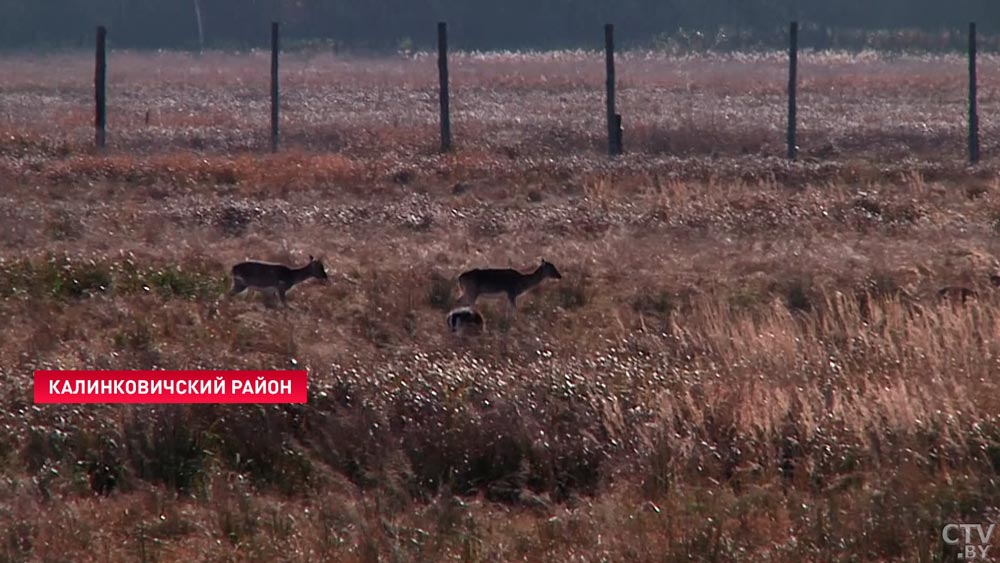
x=746, y=359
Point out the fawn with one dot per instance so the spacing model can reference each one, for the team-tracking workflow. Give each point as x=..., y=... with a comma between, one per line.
x=465, y=319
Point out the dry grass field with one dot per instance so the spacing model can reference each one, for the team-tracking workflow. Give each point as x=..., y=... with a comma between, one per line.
x=746, y=359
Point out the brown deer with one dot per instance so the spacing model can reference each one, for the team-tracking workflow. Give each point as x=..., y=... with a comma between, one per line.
x=281, y=278
x=491, y=281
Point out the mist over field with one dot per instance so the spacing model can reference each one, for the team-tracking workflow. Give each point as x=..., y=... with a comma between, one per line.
x=746, y=358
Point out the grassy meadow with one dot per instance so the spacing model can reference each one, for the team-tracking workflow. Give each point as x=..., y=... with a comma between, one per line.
x=746, y=359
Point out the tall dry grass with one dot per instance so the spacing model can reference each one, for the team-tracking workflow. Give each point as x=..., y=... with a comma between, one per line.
x=746, y=359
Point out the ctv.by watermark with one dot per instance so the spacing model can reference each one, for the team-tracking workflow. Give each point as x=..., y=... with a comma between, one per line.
x=972, y=540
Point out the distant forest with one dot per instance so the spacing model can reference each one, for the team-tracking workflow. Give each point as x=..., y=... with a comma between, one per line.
x=386, y=25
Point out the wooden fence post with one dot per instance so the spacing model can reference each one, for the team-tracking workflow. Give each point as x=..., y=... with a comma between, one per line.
x=274, y=87
x=793, y=79
x=973, y=99
x=100, y=88
x=619, y=133
x=609, y=61
x=443, y=79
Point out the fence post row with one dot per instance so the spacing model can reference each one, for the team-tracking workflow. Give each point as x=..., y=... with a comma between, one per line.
x=615, y=129
x=100, y=89
x=614, y=147
x=793, y=81
x=443, y=79
x=973, y=103
x=274, y=87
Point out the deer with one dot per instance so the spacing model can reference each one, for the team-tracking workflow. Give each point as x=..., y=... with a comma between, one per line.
x=462, y=320
x=962, y=294
x=957, y=294
x=491, y=281
x=267, y=275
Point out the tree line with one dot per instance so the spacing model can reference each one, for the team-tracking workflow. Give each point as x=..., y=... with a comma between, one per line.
x=382, y=25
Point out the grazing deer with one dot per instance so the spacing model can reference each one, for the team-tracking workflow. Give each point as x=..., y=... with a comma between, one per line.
x=465, y=319
x=265, y=275
x=493, y=281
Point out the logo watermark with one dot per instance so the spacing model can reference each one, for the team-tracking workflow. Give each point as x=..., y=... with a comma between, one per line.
x=972, y=540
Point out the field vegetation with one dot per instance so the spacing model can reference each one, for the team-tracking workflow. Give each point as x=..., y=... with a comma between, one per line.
x=746, y=359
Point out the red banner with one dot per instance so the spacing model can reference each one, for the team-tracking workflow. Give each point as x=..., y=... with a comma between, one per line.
x=160, y=386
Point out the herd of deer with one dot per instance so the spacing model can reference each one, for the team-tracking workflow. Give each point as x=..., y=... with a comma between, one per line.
x=462, y=319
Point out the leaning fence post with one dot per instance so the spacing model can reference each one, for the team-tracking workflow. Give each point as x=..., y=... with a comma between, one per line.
x=274, y=87
x=793, y=73
x=100, y=88
x=973, y=103
x=443, y=79
x=609, y=61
